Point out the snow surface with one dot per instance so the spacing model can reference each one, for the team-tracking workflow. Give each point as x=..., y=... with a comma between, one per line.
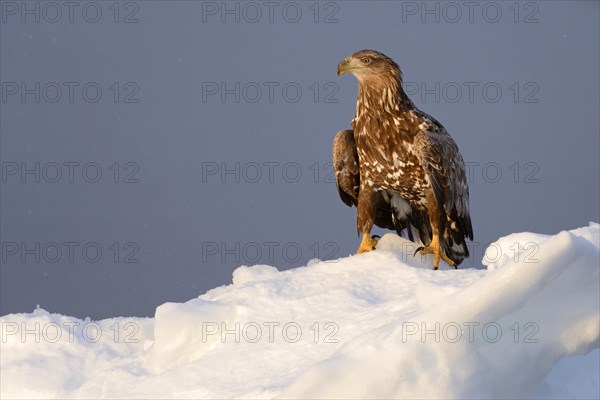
x=375, y=325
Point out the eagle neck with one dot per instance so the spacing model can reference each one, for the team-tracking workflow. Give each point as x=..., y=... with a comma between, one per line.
x=387, y=96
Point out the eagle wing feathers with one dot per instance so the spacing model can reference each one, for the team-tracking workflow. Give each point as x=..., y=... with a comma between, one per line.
x=345, y=166
x=440, y=157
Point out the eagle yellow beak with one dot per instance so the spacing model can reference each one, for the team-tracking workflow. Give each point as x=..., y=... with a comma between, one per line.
x=344, y=66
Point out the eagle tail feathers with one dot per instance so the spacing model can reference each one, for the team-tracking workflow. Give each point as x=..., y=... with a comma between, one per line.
x=454, y=244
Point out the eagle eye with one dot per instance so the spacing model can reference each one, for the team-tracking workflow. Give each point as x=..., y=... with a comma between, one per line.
x=366, y=60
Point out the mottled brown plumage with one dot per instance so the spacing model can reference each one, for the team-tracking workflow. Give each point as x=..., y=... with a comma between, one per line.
x=399, y=166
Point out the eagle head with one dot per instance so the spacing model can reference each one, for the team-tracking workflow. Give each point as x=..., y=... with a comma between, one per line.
x=370, y=66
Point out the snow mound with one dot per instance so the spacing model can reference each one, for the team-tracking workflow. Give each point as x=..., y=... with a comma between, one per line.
x=182, y=331
x=375, y=325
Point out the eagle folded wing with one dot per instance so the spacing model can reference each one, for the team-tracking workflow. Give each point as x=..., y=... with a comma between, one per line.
x=440, y=157
x=345, y=166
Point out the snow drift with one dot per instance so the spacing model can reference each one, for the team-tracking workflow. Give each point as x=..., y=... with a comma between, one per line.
x=376, y=325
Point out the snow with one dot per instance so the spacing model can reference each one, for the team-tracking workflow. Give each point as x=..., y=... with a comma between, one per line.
x=375, y=325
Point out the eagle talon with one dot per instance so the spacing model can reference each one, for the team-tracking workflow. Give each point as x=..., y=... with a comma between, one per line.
x=367, y=244
x=420, y=248
x=375, y=238
x=438, y=253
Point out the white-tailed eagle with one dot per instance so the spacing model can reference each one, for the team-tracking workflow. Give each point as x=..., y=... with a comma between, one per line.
x=399, y=166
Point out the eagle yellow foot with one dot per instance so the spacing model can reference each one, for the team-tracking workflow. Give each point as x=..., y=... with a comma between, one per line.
x=435, y=248
x=367, y=243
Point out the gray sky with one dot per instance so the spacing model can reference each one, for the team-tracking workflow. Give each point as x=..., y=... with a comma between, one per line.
x=150, y=149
